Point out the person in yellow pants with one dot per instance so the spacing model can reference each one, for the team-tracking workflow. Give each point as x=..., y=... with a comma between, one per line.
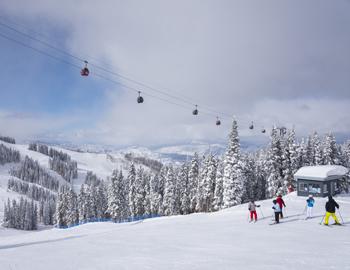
x=330, y=210
x=328, y=214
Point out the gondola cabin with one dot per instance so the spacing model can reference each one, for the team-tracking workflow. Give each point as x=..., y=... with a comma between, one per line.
x=320, y=181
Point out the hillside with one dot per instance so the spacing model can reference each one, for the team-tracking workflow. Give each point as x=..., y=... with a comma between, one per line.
x=221, y=240
x=101, y=164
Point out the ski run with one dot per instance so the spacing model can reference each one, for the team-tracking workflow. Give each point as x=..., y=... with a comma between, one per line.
x=220, y=240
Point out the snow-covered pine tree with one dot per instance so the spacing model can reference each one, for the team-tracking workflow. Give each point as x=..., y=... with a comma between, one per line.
x=102, y=202
x=261, y=174
x=310, y=151
x=233, y=178
x=206, y=186
x=81, y=206
x=193, y=180
x=147, y=194
x=61, y=208
x=330, y=150
x=155, y=196
x=132, y=190
x=184, y=190
x=169, y=193
x=117, y=203
x=219, y=188
x=139, y=197
x=318, y=158
x=250, y=186
x=161, y=186
x=346, y=152
x=275, y=166
x=72, y=214
x=288, y=158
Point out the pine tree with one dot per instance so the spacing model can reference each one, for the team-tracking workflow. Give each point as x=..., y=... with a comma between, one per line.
x=347, y=154
x=318, y=158
x=193, y=180
x=219, y=188
x=132, y=190
x=61, y=209
x=117, y=203
x=169, y=193
x=139, y=196
x=147, y=194
x=184, y=188
x=206, y=187
x=232, y=180
x=275, y=165
x=72, y=215
x=330, y=150
x=155, y=196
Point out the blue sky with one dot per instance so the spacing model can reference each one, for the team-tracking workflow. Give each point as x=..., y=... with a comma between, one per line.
x=34, y=83
x=272, y=62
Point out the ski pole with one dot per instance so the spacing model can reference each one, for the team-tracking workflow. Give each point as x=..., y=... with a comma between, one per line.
x=261, y=212
x=322, y=219
x=285, y=212
x=342, y=220
x=304, y=211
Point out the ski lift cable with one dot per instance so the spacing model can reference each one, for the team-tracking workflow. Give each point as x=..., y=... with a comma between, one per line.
x=26, y=28
x=91, y=64
x=94, y=73
x=99, y=75
x=41, y=41
x=105, y=70
x=110, y=71
x=39, y=51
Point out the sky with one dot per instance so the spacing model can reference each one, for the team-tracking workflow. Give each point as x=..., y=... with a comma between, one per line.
x=283, y=63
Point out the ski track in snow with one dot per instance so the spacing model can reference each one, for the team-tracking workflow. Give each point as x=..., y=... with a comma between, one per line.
x=221, y=240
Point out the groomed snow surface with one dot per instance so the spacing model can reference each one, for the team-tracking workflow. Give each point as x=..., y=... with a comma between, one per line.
x=221, y=240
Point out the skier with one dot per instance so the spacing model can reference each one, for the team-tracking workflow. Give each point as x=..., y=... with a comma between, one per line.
x=330, y=210
x=309, y=206
x=281, y=203
x=252, y=209
x=277, y=209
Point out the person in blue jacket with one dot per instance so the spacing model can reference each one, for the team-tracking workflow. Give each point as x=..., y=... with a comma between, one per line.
x=309, y=206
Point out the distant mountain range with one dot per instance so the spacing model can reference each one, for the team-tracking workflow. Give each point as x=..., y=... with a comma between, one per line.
x=164, y=153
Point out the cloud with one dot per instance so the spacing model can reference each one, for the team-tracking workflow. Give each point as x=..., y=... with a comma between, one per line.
x=271, y=62
x=26, y=126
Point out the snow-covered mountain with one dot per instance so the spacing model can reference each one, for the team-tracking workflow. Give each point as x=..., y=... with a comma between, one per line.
x=165, y=153
x=100, y=163
x=221, y=240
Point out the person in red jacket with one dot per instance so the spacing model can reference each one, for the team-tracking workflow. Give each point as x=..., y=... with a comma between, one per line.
x=281, y=203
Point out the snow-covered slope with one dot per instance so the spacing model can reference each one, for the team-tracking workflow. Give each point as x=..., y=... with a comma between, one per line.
x=222, y=240
x=102, y=164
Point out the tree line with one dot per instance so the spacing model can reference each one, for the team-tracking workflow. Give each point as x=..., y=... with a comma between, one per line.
x=212, y=183
x=59, y=162
x=203, y=184
x=7, y=139
x=8, y=155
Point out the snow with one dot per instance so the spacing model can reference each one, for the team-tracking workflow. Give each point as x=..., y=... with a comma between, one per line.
x=321, y=172
x=221, y=240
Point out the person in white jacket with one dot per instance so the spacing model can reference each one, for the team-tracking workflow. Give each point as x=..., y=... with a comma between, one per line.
x=252, y=209
x=277, y=209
